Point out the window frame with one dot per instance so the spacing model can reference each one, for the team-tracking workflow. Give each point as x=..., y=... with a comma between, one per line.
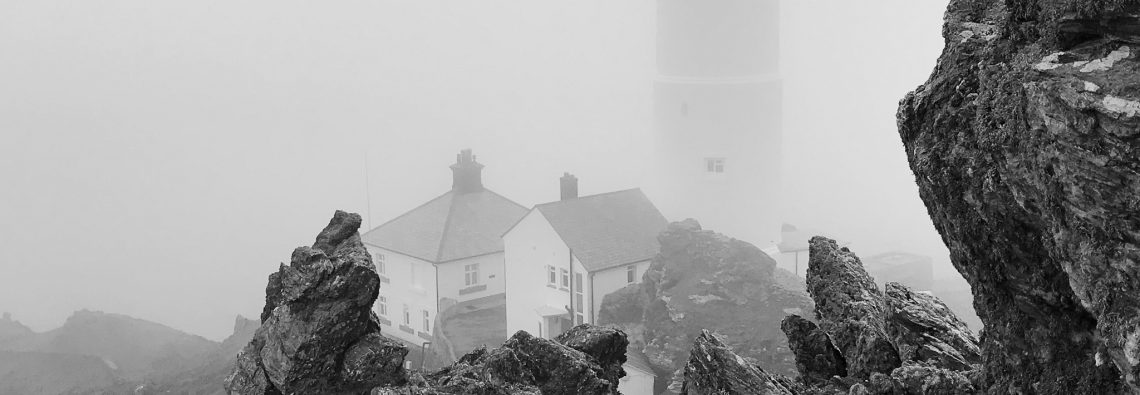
x=715, y=165
x=551, y=276
x=471, y=274
x=381, y=263
x=427, y=322
x=382, y=304
x=564, y=275
x=407, y=315
x=631, y=274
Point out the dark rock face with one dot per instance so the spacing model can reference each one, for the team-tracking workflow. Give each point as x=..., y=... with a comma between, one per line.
x=585, y=360
x=850, y=308
x=714, y=368
x=318, y=334
x=817, y=359
x=704, y=280
x=1023, y=145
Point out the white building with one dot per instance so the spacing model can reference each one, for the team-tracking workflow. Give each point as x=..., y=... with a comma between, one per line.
x=564, y=257
x=446, y=251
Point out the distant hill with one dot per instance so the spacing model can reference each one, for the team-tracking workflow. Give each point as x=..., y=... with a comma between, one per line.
x=134, y=348
x=52, y=373
x=206, y=379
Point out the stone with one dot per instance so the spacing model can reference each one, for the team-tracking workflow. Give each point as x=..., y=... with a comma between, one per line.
x=318, y=334
x=1023, y=146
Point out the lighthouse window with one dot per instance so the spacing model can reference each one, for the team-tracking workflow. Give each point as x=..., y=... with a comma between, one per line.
x=714, y=165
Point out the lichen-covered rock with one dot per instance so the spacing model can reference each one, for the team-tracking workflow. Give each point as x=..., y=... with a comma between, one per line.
x=850, y=308
x=585, y=360
x=318, y=334
x=925, y=330
x=705, y=280
x=1023, y=145
x=714, y=368
x=817, y=359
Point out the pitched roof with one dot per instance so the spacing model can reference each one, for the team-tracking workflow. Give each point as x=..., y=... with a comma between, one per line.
x=608, y=229
x=449, y=227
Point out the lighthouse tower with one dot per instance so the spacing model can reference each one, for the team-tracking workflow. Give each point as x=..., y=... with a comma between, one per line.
x=717, y=116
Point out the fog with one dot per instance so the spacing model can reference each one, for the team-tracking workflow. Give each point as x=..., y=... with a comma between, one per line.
x=159, y=159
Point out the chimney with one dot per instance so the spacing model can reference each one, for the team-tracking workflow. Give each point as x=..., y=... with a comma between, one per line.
x=569, y=187
x=466, y=173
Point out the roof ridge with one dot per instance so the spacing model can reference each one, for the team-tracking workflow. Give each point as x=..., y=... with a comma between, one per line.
x=591, y=196
x=507, y=199
x=446, y=227
x=406, y=213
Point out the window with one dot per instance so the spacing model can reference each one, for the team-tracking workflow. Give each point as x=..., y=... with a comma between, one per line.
x=427, y=322
x=630, y=274
x=380, y=267
x=382, y=305
x=471, y=274
x=565, y=278
x=551, y=276
x=407, y=316
x=714, y=165
x=579, y=300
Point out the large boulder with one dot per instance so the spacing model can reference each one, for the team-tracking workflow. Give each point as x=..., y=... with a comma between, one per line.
x=1023, y=143
x=318, y=334
x=705, y=280
x=585, y=360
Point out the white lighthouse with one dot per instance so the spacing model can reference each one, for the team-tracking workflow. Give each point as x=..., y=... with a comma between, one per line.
x=717, y=119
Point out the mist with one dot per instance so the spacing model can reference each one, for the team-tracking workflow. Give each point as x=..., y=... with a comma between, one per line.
x=159, y=160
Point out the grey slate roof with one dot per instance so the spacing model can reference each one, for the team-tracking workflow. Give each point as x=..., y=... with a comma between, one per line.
x=449, y=227
x=609, y=229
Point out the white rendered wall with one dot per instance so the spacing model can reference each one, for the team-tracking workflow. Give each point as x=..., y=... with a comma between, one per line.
x=529, y=247
x=451, y=278
x=610, y=280
x=400, y=287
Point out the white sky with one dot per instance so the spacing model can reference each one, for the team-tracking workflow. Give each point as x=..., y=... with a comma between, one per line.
x=159, y=159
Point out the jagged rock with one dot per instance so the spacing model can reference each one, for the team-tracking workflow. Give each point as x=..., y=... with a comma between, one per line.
x=585, y=360
x=850, y=308
x=925, y=330
x=714, y=368
x=1023, y=145
x=318, y=334
x=817, y=359
x=704, y=280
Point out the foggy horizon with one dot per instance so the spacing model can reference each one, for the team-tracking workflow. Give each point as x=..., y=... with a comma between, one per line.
x=163, y=159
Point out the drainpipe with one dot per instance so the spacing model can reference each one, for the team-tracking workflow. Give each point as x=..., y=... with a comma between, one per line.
x=570, y=274
x=592, y=301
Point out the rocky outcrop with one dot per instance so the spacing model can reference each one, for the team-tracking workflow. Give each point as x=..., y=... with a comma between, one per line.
x=318, y=334
x=585, y=360
x=900, y=341
x=704, y=280
x=714, y=368
x=1023, y=145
